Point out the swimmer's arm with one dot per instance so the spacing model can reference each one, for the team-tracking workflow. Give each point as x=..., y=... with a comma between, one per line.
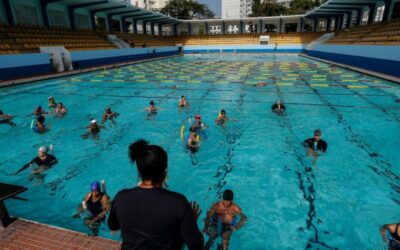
x=208, y=217
x=383, y=233
x=243, y=218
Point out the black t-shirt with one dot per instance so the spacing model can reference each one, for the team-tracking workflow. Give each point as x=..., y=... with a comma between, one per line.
x=154, y=219
x=49, y=161
x=320, y=145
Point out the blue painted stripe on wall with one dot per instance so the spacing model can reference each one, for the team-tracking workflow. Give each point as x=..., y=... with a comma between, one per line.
x=25, y=71
x=203, y=51
x=22, y=60
x=79, y=64
x=388, y=67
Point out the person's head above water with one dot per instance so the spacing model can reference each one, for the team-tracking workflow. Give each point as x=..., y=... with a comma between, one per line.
x=95, y=187
x=38, y=108
x=151, y=161
x=223, y=112
x=1, y=112
x=40, y=119
x=152, y=103
x=93, y=122
x=42, y=151
x=51, y=98
x=183, y=97
x=197, y=117
x=278, y=101
x=227, y=198
x=317, y=134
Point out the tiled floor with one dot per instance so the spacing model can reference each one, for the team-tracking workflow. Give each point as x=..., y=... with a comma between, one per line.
x=24, y=234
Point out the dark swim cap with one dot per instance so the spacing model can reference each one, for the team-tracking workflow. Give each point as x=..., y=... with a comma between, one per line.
x=151, y=102
x=228, y=195
x=223, y=111
x=95, y=186
x=317, y=132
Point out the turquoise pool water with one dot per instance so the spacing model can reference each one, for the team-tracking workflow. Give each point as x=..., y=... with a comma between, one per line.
x=339, y=203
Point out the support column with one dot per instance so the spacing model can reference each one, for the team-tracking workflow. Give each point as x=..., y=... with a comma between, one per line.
x=360, y=13
x=328, y=24
x=160, y=29
x=134, y=24
x=109, y=23
x=315, y=24
x=206, y=28
x=144, y=27
x=176, y=29
x=71, y=18
x=337, y=23
x=152, y=28
x=280, y=25
x=122, y=24
x=241, y=27
x=372, y=13
x=387, y=14
x=43, y=8
x=223, y=28
x=190, y=29
x=302, y=24
x=261, y=26
x=349, y=18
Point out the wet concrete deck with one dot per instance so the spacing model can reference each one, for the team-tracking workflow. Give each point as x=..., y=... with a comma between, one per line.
x=23, y=235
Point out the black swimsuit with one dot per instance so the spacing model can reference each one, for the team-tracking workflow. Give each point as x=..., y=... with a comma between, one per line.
x=95, y=207
x=395, y=235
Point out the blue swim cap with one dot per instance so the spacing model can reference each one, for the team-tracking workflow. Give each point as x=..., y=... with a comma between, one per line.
x=95, y=186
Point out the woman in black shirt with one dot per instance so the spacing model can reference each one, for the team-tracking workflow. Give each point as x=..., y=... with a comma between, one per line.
x=149, y=216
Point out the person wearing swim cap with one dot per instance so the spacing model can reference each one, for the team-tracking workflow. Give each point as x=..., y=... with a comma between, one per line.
x=6, y=119
x=109, y=115
x=226, y=213
x=278, y=107
x=43, y=161
x=52, y=102
x=182, y=102
x=315, y=145
x=198, y=124
x=97, y=203
x=222, y=118
x=152, y=109
x=39, y=126
x=60, y=110
x=93, y=129
x=39, y=111
x=193, y=141
x=394, y=231
x=150, y=216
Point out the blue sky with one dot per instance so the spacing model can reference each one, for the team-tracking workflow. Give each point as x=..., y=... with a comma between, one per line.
x=215, y=5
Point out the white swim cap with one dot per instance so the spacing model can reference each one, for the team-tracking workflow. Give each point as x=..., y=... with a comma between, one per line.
x=93, y=121
x=43, y=149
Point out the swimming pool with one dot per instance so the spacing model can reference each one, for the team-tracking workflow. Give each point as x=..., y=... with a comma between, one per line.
x=340, y=203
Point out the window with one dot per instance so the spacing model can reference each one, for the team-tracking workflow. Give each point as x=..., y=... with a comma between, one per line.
x=25, y=14
x=57, y=18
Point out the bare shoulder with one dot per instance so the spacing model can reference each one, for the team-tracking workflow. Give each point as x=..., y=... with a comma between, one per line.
x=236, y=208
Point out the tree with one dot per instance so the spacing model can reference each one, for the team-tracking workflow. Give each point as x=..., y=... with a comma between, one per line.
x=268, y=8
x=187, y=9
x=272, y=8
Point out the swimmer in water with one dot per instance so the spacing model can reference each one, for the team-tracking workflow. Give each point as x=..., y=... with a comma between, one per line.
x=152, y=109
x=198, y=124
x=193, y=140
x=278, y=107
x=97, y=203
x=39, y=126
x=109, y=115
x=93, y=129
x=315, y=145
x=43, y=162
x=222, y=118
x=39, y=111
x=260, y=84
x=222, y=220
x=60, y=110
x=394, y=231
x=182, y=102
x=6, y=119
x=52, y=102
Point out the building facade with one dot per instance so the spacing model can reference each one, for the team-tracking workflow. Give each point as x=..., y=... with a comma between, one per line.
x=236, y=8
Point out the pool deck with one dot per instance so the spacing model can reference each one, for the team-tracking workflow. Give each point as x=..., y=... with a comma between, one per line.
x=23, y=235
x=364, y=71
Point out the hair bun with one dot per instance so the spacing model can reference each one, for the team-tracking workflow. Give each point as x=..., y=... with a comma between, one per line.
x=138, y=149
